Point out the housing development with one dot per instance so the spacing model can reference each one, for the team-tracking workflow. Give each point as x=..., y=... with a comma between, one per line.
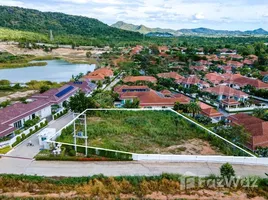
x=105, y=112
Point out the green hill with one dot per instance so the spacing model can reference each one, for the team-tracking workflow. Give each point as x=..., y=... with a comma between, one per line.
x=61, y=24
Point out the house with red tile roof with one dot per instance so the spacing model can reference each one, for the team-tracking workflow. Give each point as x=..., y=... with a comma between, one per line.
x=192, y=80
x=224, y=92
x=148, y=98
x=238, y=81
x=210, y=112
x=236, y=57
x=248, y=62
x=173, y=75
x=226, y=51
x=199, y=68
x=235, y=64
x=163, y=49
x=215, y=78
x=203, y=62
x=134, y=79
x=136, y=50
x=99, y=74
x=257, y=128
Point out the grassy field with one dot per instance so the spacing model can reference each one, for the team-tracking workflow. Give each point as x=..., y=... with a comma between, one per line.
x=147, y=132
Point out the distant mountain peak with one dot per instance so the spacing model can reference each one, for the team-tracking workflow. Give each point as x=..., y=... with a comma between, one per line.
x=196, y=31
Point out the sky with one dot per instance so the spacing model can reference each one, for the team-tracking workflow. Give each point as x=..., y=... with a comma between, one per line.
x=176, y=14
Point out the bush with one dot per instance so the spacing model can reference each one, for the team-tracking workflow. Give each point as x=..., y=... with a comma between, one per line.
x=227, y=170
x=72, y=153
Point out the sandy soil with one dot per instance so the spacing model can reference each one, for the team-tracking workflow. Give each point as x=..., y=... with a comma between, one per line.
x=192, y=147
x=66, y=53
x=201, y=194
x=17, y=95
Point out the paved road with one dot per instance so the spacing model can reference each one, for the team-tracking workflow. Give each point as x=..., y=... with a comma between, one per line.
x=60, y=168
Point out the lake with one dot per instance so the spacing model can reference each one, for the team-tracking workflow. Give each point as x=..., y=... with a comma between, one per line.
x=55, y=70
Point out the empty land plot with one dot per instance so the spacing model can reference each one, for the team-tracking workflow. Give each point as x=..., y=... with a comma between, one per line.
x=160, y=132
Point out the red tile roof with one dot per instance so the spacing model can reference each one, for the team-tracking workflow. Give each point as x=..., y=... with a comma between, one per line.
x=211, y=112
x=173, y=75
x=227, y=91
x=235, y=63
x=99, y=74
x=199, y=68
x=243, y=81
x=230, y=102
x=215, y=78
x=193, y=80
x=140, y=78
x=152, y=98
x=256, y=127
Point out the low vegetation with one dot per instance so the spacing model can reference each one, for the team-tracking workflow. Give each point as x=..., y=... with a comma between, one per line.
x=165, y=186
x=143, y=132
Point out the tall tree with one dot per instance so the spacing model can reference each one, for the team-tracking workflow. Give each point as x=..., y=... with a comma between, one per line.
x=194, y=108
x=80, y=102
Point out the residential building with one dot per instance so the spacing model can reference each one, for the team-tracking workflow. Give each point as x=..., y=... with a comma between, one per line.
x=199, y=68
x=163, y=49
x=14, y=116
x=40, y=105
x=136, y=50
x=235, y=64
x=215, y=78
x=257, y=128
x=224, y=92
x=173, y=75
x=210, y=112
x=134, y=79
x=226, y=51
x=238, y=81
x=99, y=74
x=193, y=80
x=148, y=98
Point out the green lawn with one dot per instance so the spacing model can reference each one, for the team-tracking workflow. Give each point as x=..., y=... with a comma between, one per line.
x=143, y=132
x=5, y=150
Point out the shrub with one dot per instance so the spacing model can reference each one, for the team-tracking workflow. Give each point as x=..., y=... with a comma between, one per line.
x=227, y=170
x=72, y=153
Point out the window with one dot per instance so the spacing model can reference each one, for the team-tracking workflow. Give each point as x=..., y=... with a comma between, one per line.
x=18, y=124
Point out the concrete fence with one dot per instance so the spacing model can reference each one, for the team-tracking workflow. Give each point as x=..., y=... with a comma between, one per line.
x=26, y=132
x=209, y=159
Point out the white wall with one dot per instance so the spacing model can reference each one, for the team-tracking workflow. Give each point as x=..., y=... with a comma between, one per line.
x=191, y=158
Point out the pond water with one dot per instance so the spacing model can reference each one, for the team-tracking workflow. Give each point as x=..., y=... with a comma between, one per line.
x=55, y=70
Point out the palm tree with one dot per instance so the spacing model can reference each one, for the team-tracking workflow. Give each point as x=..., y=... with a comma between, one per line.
x=194, y=108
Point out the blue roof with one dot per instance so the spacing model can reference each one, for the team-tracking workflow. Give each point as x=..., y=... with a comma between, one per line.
x=65, y=91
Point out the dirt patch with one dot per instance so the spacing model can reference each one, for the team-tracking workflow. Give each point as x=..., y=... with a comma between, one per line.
x=200, y=194
x=17, y=95
x=192, y=147
x=94, y=119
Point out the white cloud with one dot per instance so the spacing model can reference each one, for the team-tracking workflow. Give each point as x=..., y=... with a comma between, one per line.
x=11, y=3
x=198, y=16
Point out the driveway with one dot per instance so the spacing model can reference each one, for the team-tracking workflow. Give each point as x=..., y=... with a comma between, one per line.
x=22, y=150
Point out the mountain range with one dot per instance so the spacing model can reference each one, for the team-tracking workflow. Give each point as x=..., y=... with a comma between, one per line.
x=61, y=24
x=197, y=31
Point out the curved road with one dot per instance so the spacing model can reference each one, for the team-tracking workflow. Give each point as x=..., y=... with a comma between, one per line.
x=21, y=162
